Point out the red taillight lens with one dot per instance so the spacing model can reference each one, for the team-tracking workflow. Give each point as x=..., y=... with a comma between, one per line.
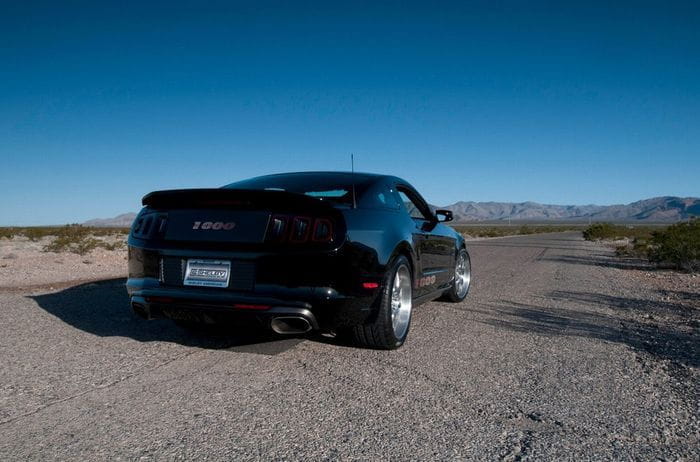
x=278, y=228
x=300, y=229
x=150, y=225
x=246, y=306
x=323, y=230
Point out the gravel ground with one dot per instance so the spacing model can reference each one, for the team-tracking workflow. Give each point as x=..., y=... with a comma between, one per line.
x=24, y=264
x=560, y=352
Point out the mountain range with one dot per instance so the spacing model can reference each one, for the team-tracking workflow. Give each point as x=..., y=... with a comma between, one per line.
x=658, y=209
x=120, y=221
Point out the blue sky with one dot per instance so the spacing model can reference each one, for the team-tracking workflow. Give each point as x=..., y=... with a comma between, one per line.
x=103, y=102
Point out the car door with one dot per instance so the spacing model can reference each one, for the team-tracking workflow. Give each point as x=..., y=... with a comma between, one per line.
x=431, y=247
x=442, y=246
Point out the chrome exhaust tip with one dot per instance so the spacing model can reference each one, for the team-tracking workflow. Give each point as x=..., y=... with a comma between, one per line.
x=290, y=325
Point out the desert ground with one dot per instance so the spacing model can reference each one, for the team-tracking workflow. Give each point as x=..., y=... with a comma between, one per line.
x=24, y=264
x=561, y=351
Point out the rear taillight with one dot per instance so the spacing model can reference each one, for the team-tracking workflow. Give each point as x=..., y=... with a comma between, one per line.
x=299, y=229
x=149, y=225
x=278, y=228
x=323, y=230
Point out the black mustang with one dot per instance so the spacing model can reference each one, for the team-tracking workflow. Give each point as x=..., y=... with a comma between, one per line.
x=350, y=253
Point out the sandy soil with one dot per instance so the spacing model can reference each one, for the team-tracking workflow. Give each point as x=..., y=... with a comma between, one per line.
x=23, y=264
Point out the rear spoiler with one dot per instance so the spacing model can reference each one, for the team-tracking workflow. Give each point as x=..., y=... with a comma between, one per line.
x=234, y=199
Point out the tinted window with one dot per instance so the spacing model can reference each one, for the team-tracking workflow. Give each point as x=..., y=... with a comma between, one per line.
x=380, y=197
x=411, y=207
x=333, y=187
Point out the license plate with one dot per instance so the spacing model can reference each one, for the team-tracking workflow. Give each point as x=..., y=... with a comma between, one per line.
x=207, y=273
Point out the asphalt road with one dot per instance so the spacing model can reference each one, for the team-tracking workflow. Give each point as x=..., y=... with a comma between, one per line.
x=546, y=359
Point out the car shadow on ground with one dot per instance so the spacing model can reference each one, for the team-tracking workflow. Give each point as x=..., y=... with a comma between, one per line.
x=102, y=308
x=664, y=330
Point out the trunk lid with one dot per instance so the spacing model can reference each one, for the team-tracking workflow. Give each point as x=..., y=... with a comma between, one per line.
x=236, y=216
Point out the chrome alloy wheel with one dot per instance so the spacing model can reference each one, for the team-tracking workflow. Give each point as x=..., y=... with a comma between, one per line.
x=463, y=275
x=401, y=302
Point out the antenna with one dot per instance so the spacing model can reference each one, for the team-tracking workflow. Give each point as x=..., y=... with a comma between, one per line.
x=352, y=169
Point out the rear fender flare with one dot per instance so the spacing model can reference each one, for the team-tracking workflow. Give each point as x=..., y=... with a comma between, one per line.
x=405, y=249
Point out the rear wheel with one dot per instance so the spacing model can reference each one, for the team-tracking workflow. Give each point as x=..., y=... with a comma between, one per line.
x=389, y=329
x=462, y=278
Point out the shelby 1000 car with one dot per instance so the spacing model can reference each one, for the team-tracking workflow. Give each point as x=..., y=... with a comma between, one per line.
x=344, y=253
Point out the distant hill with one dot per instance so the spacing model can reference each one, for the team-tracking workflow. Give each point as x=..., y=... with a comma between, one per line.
x=657, y=209
x=123, y=220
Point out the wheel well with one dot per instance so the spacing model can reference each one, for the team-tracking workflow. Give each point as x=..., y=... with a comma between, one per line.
x=404, y=249
x=462, y=246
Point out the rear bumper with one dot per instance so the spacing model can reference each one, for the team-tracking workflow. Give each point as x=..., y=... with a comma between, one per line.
x=322, y=307
x=328, y=284
x=153, y=308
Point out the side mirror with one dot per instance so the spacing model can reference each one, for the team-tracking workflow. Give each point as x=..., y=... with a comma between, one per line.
x=443, y=215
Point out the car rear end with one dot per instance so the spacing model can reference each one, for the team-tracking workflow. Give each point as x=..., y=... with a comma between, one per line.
x=276, y=258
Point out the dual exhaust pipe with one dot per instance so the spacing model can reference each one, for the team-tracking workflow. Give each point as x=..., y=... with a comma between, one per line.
x=284, y=324
x=287, y=325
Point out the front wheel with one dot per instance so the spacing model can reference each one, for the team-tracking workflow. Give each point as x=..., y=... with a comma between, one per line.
x=462, y=278
x=389, y=329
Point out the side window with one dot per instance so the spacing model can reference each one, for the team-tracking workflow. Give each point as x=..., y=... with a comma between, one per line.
x=387, y=198
x=411, y=207
x=380, y=197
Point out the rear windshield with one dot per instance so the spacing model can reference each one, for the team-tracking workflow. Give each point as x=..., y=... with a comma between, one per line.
x=335, y=188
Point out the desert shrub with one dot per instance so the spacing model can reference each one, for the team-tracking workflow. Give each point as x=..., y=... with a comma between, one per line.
x=71, y=238
x=599, y=231
x=81, y=240
x=34, y=234
x=603, y=231
x=71, y=243
x=76, y=244
x=492, y=232
x=85, y=245
x=506, y=230
x=638, y=248
x=677, y=245
x=113, y=246
x=7, y=233
x=108, y=231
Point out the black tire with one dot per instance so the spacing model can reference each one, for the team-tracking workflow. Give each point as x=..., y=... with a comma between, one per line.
x=379, y=333
x=452, y=294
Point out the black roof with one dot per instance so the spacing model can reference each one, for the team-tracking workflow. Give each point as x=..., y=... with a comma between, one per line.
x=328, y=177
x=338, y=187
x=328, y=174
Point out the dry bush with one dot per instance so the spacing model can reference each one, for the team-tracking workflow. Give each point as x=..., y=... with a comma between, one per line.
x=678, y=246
x=608, y=231
x=508, y=230
x=76, y=239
